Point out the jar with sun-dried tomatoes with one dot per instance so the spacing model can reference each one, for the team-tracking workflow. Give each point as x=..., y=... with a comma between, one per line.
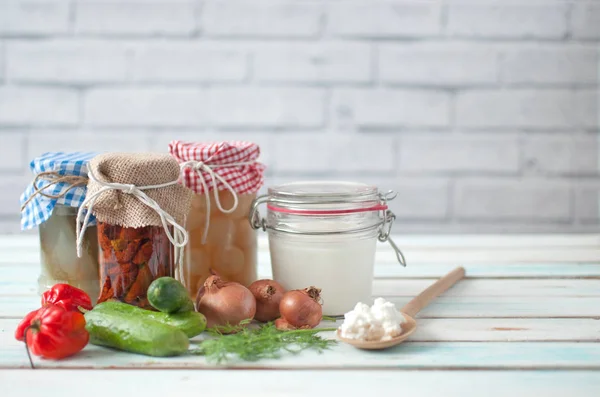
x=140, y=209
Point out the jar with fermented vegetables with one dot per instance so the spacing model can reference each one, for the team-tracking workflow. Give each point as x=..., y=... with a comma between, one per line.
x=140, y=208
x=51, y=203
x=225, y=178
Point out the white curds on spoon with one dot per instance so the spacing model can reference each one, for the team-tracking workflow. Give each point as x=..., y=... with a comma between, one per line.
x=410, y=310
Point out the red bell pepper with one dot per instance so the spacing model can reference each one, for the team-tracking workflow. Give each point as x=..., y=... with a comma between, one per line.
x=53, y=332
x=19, y=333
x=68, y=297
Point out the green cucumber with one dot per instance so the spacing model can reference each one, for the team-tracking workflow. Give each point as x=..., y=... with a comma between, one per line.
x=191, y=323
x=169, y=296
x=136, y=334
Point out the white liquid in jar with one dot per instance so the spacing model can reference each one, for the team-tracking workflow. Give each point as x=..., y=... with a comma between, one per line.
x=341, y=265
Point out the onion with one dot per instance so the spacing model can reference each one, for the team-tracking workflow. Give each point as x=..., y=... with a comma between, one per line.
x=282, y=325
x=268, y=294
x=301, y=308
x=225, y=303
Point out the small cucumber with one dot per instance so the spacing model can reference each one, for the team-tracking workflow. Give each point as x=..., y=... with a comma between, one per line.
x=136, y=334
x=169, y=296
x=191, y=323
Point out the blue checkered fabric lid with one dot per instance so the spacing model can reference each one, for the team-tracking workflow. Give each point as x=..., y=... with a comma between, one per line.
x=39, y=209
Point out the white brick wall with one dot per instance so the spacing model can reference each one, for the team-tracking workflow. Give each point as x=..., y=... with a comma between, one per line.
x=527, y=108
x=585, y=20
x=379, y=19
x=572, y=64
x=483, y=115
x=145, y=106
x=392, y=108
x=34, y=18
x=187, y=62
x=514, y=200
x=487, y=19
x=322, y=63
x=135, y=19
x=38, y=106
x=438, y=64
x=66, y=61
x=261, y=19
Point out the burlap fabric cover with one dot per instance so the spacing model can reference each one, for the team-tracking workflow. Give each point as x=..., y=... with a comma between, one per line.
x=116, y=207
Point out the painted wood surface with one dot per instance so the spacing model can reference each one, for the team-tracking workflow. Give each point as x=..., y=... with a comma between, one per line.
x=529, y=303
x=459, y=330
x=23, y=282
x=443, y=307
x=348, y=383
x=408, y=355
x=30, y=239
x=16, y=272
x=436, y=252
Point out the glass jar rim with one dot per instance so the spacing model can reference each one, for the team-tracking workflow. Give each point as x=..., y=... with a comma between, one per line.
x=324, y=189
x=323, y=195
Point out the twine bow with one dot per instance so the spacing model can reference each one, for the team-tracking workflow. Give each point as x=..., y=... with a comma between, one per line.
x=178, y=238
x=199, y=166
x=53, y=177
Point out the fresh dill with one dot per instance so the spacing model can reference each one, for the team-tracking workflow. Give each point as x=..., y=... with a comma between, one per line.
x=253, y=344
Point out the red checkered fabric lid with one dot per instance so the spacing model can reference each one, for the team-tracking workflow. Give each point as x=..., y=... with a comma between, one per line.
x=223, y=159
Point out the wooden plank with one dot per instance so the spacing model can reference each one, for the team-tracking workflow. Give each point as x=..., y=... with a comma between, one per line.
x=442, y=307
x=306, y=383
x=416, y=241
x=23, y=273
x=490, y=270
x=441, y=249
x=409, y=355
x=499, y=240
x=485, y=287
x=25, y=283
x=461, y=330
x=30, y=255
x=468, y=256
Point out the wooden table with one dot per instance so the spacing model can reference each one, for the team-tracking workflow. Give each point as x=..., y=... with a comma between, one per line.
x=525, y=322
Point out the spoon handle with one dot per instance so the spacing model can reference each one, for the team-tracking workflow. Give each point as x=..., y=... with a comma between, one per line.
x=420, y=301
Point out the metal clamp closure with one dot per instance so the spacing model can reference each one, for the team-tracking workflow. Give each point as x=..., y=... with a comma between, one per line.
x=384, y=235
x=256, y=221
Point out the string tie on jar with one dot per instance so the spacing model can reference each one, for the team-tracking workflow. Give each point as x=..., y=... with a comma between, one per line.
x=53, y=178
x=179, y=236
x=199, y=167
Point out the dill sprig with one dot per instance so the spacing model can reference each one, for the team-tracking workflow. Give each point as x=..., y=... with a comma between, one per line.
x=253, y=344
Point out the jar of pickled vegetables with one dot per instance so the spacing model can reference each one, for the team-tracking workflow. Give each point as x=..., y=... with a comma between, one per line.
x=140, y=208
x=225, y=178
x=51, y=203
x=58, y=253
x=130, y=259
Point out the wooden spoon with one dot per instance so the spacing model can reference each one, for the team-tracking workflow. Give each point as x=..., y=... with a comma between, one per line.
x=409, y=311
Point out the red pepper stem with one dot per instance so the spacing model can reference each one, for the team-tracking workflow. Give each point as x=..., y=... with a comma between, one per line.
x=27, y=347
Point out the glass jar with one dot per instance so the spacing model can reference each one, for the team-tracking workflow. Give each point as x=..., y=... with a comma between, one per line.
x=230, y=248
x=58, y=253
x=324, y=234
x=130, y=259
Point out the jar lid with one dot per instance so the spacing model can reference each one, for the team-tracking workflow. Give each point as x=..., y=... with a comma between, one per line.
x=324, y=198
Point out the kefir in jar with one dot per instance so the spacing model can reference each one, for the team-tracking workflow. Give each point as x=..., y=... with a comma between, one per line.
x=324, y=234
x=225, y=177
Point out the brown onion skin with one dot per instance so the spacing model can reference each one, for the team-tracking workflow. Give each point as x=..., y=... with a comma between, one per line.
x=283, y=325
x=301, y=308
x=268, y=294
x=225, y=302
